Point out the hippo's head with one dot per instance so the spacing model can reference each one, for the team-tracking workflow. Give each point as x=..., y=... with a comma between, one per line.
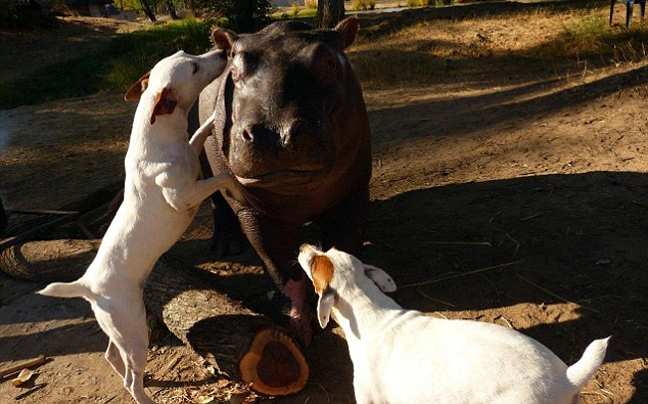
x=292, y=107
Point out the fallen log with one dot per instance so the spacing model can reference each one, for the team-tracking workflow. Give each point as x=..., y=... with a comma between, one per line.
x=48, y=260
x=246, y=346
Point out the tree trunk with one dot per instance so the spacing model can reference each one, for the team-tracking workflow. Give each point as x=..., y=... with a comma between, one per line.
x=329, y=13
x=245, y=345
x=244, y=16
x=49, y=260
x=172, y=9
x=146, y=7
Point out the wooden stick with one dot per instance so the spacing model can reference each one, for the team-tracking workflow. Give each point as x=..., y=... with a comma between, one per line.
x=20, y=366
x=473, y=272
x=479, y=243
x=550, y=293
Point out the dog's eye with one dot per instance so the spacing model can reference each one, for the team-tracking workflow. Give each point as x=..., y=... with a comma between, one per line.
x=195, y=67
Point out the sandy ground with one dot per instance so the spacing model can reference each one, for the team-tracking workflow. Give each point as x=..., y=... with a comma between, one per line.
x=529, y=190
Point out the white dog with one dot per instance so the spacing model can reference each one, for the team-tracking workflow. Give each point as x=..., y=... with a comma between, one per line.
x=403, y=356
x=161, y=196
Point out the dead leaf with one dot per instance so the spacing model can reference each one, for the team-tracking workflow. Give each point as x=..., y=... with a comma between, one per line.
x=22, y=377
x=206, y=399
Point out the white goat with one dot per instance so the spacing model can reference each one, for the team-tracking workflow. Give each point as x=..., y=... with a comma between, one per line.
x=403, y=356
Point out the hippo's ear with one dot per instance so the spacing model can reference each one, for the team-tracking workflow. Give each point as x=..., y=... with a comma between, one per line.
x=165, y=104
x=349, y=29
x=137, y=89
x=222, y=38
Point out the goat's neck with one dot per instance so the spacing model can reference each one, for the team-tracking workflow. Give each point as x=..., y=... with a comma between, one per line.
x=359, y=313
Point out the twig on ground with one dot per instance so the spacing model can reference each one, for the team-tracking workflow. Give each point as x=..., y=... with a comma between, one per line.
x=531, y=217
x=328, y=399
x=460, y=275
x=479, y=243
x=30, y=391
x=495, y=217
x=550, y=293
x=517, y=245
x=425, y=295
x=24, y=365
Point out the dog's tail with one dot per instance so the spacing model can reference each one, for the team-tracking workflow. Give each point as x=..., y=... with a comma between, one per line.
x=580, y=372
x=72, y=289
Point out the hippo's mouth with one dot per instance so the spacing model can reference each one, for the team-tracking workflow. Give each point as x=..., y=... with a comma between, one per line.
x=279, y=178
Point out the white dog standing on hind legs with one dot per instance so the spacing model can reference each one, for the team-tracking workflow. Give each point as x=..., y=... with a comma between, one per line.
x=162, y=193
x=403, y=356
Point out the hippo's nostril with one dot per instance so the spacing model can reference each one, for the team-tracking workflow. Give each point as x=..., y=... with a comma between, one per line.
x=247, y=136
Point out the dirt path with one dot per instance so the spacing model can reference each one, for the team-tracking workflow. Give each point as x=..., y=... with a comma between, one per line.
x=539, y=180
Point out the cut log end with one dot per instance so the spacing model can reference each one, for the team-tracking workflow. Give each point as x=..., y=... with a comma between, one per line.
x=274, y=365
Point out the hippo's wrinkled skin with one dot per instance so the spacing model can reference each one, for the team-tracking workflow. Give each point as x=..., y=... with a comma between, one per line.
x=294, y=131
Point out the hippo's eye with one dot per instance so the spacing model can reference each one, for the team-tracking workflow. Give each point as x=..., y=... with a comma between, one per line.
x=195, y=67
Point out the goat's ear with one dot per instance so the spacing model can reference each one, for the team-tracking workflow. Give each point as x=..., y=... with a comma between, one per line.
x=324, y=306
x=165, y=104
x=380, y=278
x=137, y=89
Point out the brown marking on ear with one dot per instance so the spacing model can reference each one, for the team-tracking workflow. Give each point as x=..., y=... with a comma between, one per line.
x=164, y=104
x=135, y=91
x=349, y=29
x=322, y=271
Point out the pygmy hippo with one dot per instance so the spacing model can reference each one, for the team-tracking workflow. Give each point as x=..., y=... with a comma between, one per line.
x=295, y=134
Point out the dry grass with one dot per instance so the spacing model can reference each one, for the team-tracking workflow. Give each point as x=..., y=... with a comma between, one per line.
x=539, y=43
x=363, y=4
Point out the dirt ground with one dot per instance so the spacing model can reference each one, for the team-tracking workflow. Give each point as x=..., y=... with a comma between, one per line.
x=518, y=197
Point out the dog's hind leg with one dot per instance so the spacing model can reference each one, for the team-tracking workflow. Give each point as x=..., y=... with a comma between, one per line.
x=129, y=335
x=135, y=365
x=114, y=358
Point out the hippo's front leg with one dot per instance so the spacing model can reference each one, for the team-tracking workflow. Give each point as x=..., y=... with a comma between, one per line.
x=342, y=225
x=277, y=244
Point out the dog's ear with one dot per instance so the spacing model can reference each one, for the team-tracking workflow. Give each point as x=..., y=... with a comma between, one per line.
x=380, y=278
x=137, y=89
x=322, y=271
x=165, y=103
x=325, y=304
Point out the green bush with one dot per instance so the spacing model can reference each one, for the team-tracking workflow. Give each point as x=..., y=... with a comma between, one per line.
x=261, y=10
x=126, y=59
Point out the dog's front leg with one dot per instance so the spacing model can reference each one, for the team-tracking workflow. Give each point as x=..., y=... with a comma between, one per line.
x=185, y=198
x=197, y=141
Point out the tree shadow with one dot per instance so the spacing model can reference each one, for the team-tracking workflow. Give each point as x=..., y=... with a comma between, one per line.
x=574, y=238
x=463, y=116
